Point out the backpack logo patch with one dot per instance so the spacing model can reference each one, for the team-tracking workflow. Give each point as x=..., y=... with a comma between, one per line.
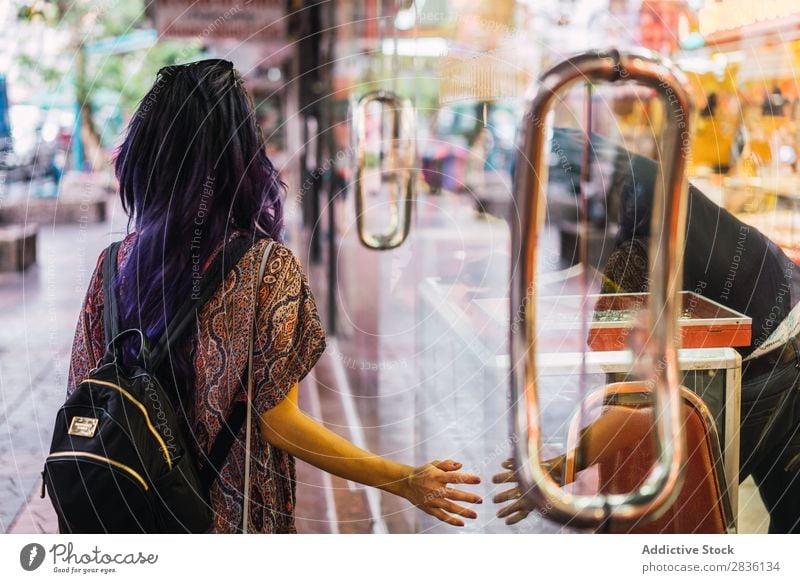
x=83, y=426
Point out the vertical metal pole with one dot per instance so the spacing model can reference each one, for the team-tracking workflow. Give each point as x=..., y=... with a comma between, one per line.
x=77, y=141
x=310, y=89
x=583, y=245
x=333, y=193
x=77, y=138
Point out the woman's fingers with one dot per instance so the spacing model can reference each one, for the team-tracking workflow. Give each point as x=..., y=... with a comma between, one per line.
x=460, y=478
x=447, y=465
x=444, y=517
x=515, y=518
x=451, y=476
x=453, y=508
x=518, y=506
x=504, y=477
x=462, y=496
x=517, y=510
x=511, y=494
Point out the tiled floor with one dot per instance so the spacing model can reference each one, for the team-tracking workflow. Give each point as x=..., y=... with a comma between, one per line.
x=38, y=311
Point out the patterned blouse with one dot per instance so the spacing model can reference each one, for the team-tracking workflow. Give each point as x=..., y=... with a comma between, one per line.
x=289, y=341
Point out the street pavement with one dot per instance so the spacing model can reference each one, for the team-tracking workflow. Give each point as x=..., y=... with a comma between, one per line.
x=38, y=312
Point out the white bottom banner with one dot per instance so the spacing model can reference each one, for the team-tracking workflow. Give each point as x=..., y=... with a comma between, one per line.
x=406, y=558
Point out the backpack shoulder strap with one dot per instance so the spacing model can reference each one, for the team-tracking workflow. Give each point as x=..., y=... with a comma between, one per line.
x=111, y=306
x=240, y=411
x=225, y=260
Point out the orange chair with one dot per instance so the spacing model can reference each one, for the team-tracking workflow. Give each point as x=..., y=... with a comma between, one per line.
x=622, y=458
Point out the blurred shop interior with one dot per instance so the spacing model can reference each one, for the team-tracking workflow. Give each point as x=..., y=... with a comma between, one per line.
x=396, y=126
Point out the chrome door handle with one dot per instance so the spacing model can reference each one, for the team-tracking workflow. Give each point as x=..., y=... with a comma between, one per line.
x=401, y=169
x=666, y=246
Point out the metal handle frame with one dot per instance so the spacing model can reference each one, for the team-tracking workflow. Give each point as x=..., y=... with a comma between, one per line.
x=402, y=156
x=666, y=245
x=629, y=395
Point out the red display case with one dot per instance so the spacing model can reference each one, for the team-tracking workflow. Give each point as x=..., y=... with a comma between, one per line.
x=608, y=320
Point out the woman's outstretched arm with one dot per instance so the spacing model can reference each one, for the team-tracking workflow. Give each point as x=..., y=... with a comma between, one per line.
x=428, y=487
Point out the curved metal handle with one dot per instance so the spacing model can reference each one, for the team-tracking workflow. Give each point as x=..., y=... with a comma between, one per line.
x=401, y=157
x=664, y=480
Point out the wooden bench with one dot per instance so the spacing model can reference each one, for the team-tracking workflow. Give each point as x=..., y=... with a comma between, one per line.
x=82, y=199
x=55, y=211
x=17, y=247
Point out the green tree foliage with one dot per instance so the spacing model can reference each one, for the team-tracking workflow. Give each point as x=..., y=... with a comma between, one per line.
x=100, y=79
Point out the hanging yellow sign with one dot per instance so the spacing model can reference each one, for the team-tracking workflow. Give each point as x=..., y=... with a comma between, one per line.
x=732, y=14
x=486, y=77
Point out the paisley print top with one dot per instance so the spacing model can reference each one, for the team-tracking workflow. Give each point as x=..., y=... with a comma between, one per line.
x=289, y=340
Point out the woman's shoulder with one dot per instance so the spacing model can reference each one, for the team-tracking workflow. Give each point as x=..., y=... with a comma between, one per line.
x=126, y=244
x=284, y=280
x=124, y=249
x=282, y=263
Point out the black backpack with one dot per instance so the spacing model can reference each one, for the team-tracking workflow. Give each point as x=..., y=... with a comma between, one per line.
x=119, y=460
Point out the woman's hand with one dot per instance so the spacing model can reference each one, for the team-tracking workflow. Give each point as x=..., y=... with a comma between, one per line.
x=428, y=488
x=519, y=508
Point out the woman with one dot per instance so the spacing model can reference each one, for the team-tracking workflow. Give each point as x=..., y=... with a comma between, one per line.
x=193, y=175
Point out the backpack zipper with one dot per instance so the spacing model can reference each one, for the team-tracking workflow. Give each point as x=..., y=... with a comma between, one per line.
x=144, y=412
x=94, y=456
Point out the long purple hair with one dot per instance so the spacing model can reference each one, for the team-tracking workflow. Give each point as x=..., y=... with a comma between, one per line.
x=192, y=169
